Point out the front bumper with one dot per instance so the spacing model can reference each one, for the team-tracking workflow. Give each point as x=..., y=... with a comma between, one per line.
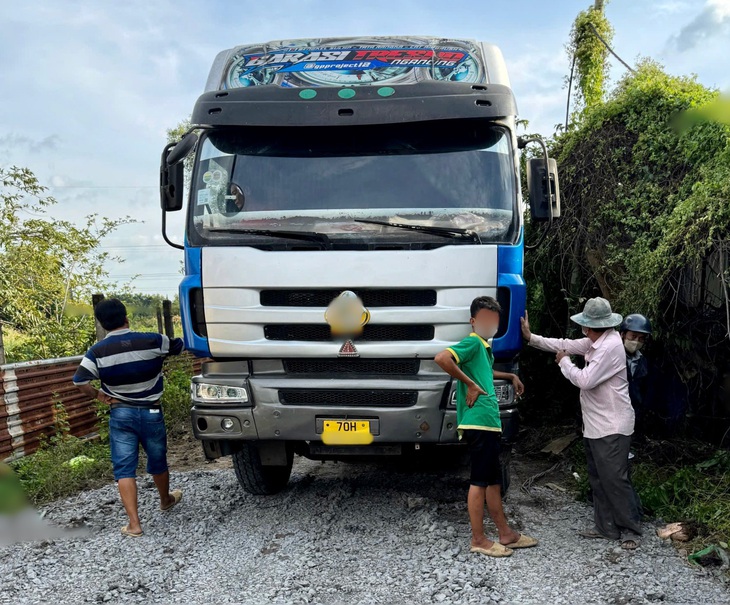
x=428, y=417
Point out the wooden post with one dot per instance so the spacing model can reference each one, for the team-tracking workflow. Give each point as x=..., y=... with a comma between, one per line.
x=159, y=320
x=167, y=315
x=2, y=346
x=100, y=332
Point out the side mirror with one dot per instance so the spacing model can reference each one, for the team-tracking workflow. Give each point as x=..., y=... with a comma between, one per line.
x=172, y=172
x=544, y=189
x=172, y=182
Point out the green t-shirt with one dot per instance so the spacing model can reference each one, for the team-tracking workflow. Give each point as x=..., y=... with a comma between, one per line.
x=475, y=358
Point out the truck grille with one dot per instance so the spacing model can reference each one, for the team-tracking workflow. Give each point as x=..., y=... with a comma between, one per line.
x=371, y=333
x=370, y=298
x=376, y=399
x=389, y=367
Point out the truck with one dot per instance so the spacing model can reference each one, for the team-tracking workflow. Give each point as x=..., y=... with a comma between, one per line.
x=347, y=199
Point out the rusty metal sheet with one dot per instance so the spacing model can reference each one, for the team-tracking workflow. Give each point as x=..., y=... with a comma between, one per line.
x=36, y=397
x=5, y=447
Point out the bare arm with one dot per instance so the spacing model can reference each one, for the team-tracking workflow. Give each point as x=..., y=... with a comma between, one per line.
x=448, y=364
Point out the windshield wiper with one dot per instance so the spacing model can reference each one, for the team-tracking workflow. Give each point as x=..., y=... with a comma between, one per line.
x=310, y=236
x=453, y=232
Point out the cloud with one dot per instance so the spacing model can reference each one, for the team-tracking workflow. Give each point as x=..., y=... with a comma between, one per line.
x=12, y=141
x=713, y=20
x=672, y=7
x=537, y=78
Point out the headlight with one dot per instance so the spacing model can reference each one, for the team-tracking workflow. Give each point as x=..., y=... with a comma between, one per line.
x=452, y=398
x=218, y=393
x=505, y=393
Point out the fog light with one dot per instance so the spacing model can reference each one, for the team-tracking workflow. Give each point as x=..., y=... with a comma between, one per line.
x=227, y=424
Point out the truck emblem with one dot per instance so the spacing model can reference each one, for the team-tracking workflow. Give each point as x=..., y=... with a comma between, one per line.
x=348, y=350
x=346, y=315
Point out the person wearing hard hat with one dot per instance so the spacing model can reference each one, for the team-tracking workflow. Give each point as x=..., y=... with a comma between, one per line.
x=635, y=331
x=608, y=418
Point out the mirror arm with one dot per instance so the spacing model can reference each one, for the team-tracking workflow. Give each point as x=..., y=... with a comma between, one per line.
x=164, y=232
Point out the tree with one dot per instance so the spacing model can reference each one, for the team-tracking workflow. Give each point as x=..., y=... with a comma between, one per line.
x=173, y=136
x=50, y=269
x=590, y=55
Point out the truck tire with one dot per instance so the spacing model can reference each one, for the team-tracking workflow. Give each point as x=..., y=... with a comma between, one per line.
x=257, y=479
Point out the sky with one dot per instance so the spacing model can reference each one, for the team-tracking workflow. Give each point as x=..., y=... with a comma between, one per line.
x=88, y=89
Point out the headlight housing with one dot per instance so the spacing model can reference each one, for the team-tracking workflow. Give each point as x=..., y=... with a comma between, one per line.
x=204, y=392
x=505, y=393
x=503, y=390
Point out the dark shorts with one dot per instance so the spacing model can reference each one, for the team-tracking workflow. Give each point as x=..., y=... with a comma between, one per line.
x=128, y=429
x=484, y=447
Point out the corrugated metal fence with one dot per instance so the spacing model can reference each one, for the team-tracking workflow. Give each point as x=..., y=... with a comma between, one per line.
x=38, y=397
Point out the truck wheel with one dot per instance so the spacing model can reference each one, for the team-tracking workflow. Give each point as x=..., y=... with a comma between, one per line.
x=257, y=479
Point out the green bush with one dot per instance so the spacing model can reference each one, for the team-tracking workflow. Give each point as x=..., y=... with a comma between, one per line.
x=644, y=201
x=694, y=487
x=698, y=492
x=176, y=396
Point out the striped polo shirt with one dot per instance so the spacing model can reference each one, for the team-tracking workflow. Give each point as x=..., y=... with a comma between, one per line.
x=128, y=364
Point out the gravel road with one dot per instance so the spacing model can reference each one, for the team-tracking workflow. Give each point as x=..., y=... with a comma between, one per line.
x=341, y=533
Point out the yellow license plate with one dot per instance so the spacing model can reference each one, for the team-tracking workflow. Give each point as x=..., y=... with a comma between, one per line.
x=346, y=432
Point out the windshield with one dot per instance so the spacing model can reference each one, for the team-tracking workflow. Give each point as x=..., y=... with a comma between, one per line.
x=454, y=174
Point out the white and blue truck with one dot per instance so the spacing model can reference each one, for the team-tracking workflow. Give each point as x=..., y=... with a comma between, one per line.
x=349, y=198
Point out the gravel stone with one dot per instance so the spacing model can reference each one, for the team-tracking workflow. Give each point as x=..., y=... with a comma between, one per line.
x=340, y=533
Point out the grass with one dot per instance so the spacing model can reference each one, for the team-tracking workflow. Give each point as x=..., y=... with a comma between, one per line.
x=46, y=475
x=681, y=480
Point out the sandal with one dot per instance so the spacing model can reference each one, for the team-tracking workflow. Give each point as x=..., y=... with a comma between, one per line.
x=131, y=534
x=495, y=550
x=523, y=542
x=177, y=496
x=630, y=544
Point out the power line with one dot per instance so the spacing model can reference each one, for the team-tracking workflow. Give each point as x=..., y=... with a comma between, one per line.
x=103, y=186
x=624, y=63
x=572, y=69
x=147, y=275
x=134, y=246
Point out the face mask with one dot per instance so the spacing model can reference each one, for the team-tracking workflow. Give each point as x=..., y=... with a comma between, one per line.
x=585, y=331
x=486, y=333
x=632, y=346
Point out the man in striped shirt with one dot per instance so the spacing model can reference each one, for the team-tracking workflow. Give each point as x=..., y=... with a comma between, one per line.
x=129, y=366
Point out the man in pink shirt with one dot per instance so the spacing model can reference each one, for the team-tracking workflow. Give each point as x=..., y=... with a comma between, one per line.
x=608, y=417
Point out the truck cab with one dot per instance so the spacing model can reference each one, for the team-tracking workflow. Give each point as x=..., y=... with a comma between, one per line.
x=348, y=199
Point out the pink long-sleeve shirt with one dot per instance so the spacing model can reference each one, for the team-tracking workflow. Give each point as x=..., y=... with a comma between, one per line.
x=604, y=387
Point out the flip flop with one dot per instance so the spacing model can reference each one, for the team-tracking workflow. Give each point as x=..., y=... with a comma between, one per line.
x=177, y=495
x=523, y=542
x=131, y=534
x=496, y=550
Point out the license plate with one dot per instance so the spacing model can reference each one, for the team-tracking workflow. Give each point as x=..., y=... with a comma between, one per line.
x=346, y=432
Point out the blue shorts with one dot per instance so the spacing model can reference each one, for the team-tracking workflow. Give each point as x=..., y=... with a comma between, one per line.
x=130, y=427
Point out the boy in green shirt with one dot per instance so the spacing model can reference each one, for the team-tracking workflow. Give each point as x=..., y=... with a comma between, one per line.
x=477, y=419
